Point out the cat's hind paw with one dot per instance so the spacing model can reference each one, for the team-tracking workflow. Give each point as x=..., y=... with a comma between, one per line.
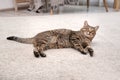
x=42, y=55
x=36, y=54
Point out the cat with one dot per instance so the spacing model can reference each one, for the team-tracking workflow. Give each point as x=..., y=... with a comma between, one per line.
x=61, y=38
x=44, y=5
x=36, y=5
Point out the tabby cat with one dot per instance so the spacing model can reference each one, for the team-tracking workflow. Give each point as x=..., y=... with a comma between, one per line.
x=61, y=38
x=36, y=5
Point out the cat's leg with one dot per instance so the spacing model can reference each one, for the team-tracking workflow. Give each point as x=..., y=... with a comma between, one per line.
x=80, y=48
x=31, y=5
x=38, y=6
x=41, y=49
x=36, y=53
x=42, y=54
x=77, y=45
x=87, y=47
x=39, y=9
x=90, y=50
x=39, y=52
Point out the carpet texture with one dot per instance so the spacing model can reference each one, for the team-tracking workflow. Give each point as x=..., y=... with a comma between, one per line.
x=17, y=61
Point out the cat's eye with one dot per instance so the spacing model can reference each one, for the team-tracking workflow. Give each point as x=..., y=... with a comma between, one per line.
x=92, y=32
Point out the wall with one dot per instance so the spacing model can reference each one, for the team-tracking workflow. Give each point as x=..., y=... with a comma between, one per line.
x=110, y=2
x=5, y=4
x=99, y=2
x=92, y=2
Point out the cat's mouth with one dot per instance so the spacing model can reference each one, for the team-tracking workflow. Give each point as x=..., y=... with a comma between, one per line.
x=88, y=35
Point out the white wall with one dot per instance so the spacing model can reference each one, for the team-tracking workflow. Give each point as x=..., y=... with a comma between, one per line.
x=92, y=2
x=99, y=2
x=5, y=4
x=110, y=2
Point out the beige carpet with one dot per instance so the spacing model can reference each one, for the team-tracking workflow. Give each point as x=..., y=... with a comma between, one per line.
x=17, y=61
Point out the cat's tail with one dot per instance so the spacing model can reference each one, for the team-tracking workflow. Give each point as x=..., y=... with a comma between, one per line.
x=21, y=40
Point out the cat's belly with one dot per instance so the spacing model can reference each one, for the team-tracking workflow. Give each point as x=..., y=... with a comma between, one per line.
x=57, y=42
x=58, y=45
x=63, y=44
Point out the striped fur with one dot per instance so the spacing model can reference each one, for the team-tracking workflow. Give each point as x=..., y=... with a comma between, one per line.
x=61, y=38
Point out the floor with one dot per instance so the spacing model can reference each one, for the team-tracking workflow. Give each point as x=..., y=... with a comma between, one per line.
x=17, y=61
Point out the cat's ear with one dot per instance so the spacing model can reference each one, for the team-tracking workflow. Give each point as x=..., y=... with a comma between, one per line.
x=96, y=28
x=85, y=23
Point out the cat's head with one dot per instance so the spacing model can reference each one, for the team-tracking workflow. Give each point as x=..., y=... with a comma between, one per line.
x=89, y=31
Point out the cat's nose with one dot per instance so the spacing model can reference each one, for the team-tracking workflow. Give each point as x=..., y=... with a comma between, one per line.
x=88, y=33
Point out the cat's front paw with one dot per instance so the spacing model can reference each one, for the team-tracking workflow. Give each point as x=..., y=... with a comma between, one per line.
x=84, y=52
x=91, y=52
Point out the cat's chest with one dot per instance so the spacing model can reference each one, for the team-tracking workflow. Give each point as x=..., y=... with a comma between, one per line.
x=78, y=37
